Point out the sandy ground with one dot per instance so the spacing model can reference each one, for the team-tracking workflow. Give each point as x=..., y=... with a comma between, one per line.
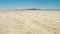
x=30, y=22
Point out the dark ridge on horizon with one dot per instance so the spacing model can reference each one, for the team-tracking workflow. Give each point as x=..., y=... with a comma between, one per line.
x=35, y=9
x=30, y=9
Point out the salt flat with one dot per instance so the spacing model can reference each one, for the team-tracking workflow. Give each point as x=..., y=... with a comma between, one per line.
x=30, y=22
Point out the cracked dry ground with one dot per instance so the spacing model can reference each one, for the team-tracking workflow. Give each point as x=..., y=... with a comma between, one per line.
x=29, y=22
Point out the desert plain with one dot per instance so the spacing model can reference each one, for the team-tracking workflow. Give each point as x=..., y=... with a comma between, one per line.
x=29, y=21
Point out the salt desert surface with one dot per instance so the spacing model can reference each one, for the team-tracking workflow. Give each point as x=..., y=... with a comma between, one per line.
x=30, y=22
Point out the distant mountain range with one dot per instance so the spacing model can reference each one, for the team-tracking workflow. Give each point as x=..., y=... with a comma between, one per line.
x=36, y=9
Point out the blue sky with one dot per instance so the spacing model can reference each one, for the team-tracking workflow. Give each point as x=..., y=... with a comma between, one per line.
x=20, y=4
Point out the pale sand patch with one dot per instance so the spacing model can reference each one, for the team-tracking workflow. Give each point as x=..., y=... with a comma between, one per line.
x=30, y=22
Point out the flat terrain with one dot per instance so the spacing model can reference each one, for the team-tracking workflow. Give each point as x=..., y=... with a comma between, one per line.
x=30, y=22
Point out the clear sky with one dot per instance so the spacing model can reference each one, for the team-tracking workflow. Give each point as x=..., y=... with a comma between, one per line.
x=19, y=4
